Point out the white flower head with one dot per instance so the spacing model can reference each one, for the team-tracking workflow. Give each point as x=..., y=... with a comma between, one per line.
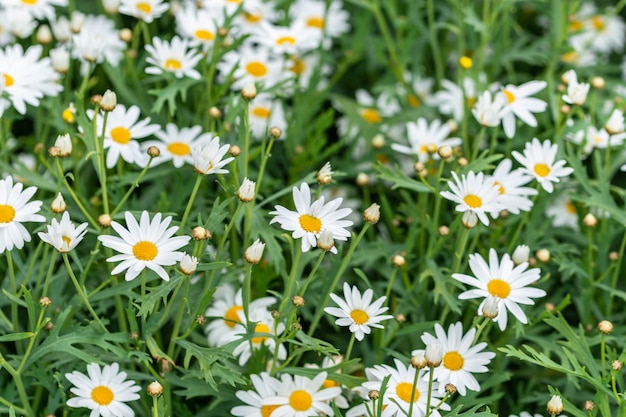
x=207, y=159
x=474, y=193
x=539, y=162
x=39, y=9
x=63, y=235
x=576, y=92
x=176, y=144
x=15, y=209
x=512, y=195
x=519, y=103
x=423, y=138
x=615, y=124
x=174, y=57
x=146, y=10
x=487, y=111
x=265, y=387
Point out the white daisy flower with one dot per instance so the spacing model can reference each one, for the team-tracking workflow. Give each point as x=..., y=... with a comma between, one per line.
x=576, y=92
x=173, y=57
x=563, y=212
x=265, y=112
x=420, y=89
x=227, y=307
x=512, y=196
x=104, y=392
x=207, y=159
x=122, y=129
x=27, y=78
x=333, y=20
x=267, y=328
x=331, y=362
x=453, y=98
x=474, y=193
x=63, y=235
x=539, y=162
x=176, y=144
x=602, y=33
x=250, y=64
x=14, y=210
x=520, y=104
x=39, y=9
x=16, y=22
x=299, y=396
x=98, y=41
x=309, y=219
x=265, y=387
x=146, y=10
x=254, y=13
x=147, y=244
x=487, y=111
x=424, y=140
x=358, y=311
x=295, y=39
x=504, y=280
x=305, y=66
x=373, y=110
x=199, y=26
x=460, y=358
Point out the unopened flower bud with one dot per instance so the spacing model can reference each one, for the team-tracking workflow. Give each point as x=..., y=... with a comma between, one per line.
x=49, y=326
x=490, y=308
x=200, y=233
x=520, y=254
x=419, y=361
x=550, y=307
x=58, y=204
x=431, y=148
x=565, y=108
x=597, y=82
x=223, y=32
x=378, y=141
x=155, y=389
x=362, y=179
x=419, y=166
x=44, y=34
x=450, y=389
x=275, y=314
x=254, y=253
x=555, y=405
x=297, y=326
x=325, y=241
x=249, y=92
x=154, y=151
x=616, y=365
x=54, y=151
x=589, y=405
x=234, y=150
x=297, y=301
x=372, y=214
x=45, y=301
x=590, y=220
x=469, y=219
x=615, y=124
x=325, y=174
x=108, y=102
x=215, y=113
x=200, y=319
x=613, y=256
x=105, y=220
x=433, y=354
x=444, y=230
x=373, y=394
x=95, y=99
x=126, y=35
x=445, y=151
x=605, y=327
x=246, y=191
x=400, y=318
x=60, y=59
x=275, y=132
x=64, y=143
x=188, y=264
x=543, y=255
x=398, y=261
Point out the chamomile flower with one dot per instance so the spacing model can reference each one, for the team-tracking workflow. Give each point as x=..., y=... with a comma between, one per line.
x=265, y=112
x=99, y=39
x=251, y=64
x=539, y=162
x=174, y=57
x=487, y=111
x=207, y=158
x=299, y=396
x=424, y=140
x=104, y=391
x=358, y=311
x=146, y=10
x=27, y=76
x=504, y=280
x=294, y=39
x=198, y=25
x=39, y=9
x=176, y=144
x=519, y=103
x=512, y=195
x=454, y=98
x=333, y=20
x=309, y=219
x=460, y=359
x=63, y=235
x=15, y=209
x=147, y=244
x=475, y=194
x=563, y=212
x=265, y=387
x=576, y=92
x=122, y=129
x=268, y=331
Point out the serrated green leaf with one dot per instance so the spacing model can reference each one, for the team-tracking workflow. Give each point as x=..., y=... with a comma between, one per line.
x=16, y=336
x=399, y=179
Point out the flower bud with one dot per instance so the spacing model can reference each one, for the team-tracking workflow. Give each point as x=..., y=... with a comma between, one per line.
x=54, y=151
x=60, y=59
x=215, y=113
x=69, y=114
x=325, y=175
x=400, y=318
x=555, y=405
x=297, y=301
x=108, y=101
x=188, y=264
x=44, y=35
x=249, y=92
x=590, y=220
x=418, y=361
x=155, y=389
x=444, y=230
x=372, y=214
x=378, y=141
x=45, y=301
x=154, y=151
x=589, y=405
x=200, y=319
x=64, y=143
x=325, y=241
x=76, y=21
x=445, y=151
x=275, y=132
x=254, y=253
x=58, y=204
x=605, y=327
x=126, y=35
x=616, y=365
x=200, y=233
x=615, y=124
x=490, y=308
x=362, y=179
x=373, y=394
x=234, y=150
x=613, y=256
x=543, y=255
x=398, y=261
x=105, y=220
x=598, y=82
x=469, y=219
x=434, y=354
x=520, y=254
x=246, y=191
x=450, y=389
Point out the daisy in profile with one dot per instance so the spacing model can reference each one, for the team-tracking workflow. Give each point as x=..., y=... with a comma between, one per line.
x=174, y=57
x=299, y=396
x=104, y=391
x=519, y=103
x=487, y=111
x=358, y=311
x=39, y=9
x=265, y=387
x=176, y=144
x=460, y=359
x=146, y=10
x=576, y=92
x=27, y=77
x=474, y=194
x=424, y=140
x=147, y=244
x=122, y=129
x=504, y=280
x=309, y=219
x=539, y=162
x=63, y=235
x=207, y=158
x=265, y=112
x=251, y=64
x=266, y=330
x=14, y=210
x=512, y=195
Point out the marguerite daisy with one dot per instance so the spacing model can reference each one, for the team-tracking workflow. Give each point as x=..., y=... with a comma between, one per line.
x=309, y=219
x=512, y=196
x=299, y=396
x=265, y=387
x=39, y=9
x=250, y=64
x=198, y=25
x=539, y=162
x=264, y=324
x=504, y=280
x=295, y=39
x=63, y=235
x=358, y=311
x=104, y=392
x=424, y=140
x=487, y=111
x=147, y=244
x=460, y=358
x=563, y=212
x=14, y=210
x=173, y=57
x=176, y=144
x=330, y=19
x=265, y=112
x=146, y=10
x=207, y=158
x=576, y=92
x=520, y=104
x=475, y=194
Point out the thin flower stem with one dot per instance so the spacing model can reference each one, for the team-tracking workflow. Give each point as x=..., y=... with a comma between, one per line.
x=245, y=292
x=220, y=247
x=617, y=396
x=603, y=354
x=134, y=185
x=99, y=141
x=433, y=40
x=390, y=44
x=394, y=272
x=32, y=340
x=83, y=86
x=350, y=346
x=179, y=318
x=17, y=380
x=46, y=283
x=9, y=405
x=480, y=329
x=430, y=391
x=266, y=155
x=166, y=313
x=81, y=292
x=291, y=280
x=246, y=139
x=614, y=278
x=308, y=279
x=76, y=199
x=194, y=193
x=155, y=408
x=14, y=319
x=413, y=389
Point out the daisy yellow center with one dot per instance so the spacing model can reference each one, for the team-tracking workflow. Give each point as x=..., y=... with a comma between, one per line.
x=286, y=39
x=453, y=361
x=413, y=100
x=7, y=213
x=597, y=139
x=68, y=116
x=473, y=201
x=232, y=316
x=29, y=1
x=471, y=101
x=267, y=410
x=298, y=66
x=102, y=395
x=300, y=400
x=144, y=7
x=173, y=64
x=261, y=112
x=204, y=35
x=423, y=149
x=260, y=328
x=8, y=80
x=359, y=316
x=510, y=97
x=500, y=187
x=256, y=69
x=120, y=135
x=499, y=288
x=576, y=25
x=570, y=207
x=404, y=390
x=315, y=22
x=598, y=23
x=178, y=148
x=371, y=115
x=67, y=240
x=253, y=18
x=330, y=384
x=145, y=251
x=233, y=1
x=571, y=56
x=542, y=170
x=310, y=224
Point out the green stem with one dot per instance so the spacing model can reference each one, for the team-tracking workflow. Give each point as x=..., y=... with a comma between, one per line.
x=9, y=405
x=308, y=279
x=179, y=319
x=99, y=141
x=46, y=283
x=430, y=390
x=134, y=185
x=394, y=272
x=266, y=156
x=194, y=193
x=76, y=199
x=14, y=317
x=615, y=276
x=350, y=346
x=166, y=313
x=413, y=389
x=433, y=40
x=245, y=292
x=31, y=343
x=85, y=82
x=220, y=246
x=17, y=380
x=480, y=328
x=603, y=354
x=155, y=408
x=390, y=44
x=291, y=280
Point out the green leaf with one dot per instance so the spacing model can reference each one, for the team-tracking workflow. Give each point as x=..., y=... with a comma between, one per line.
x=209, y=359
x=157, y=294
x=398, y=179
x=170, y=92
x=307, y=342
x=16, y=336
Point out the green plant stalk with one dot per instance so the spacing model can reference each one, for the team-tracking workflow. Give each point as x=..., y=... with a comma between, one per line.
x=179, y=319
x=194, y=193
x=350, y=346
x=603, y=354
x=433, y=40
x=80, y=205
x=266, y=156
x=430, y=390
x=14, y=318
x=480, y=328
x=477, y=143
x=394, y=272
x=171, y=303
x=155, y=408
x=9, y=405
x=291, y=279
x=389, y=42
x=81, y=292
x=83, y=86
x=245, y=292
x=17, y=380
x=342, y=268
x=246, y=139
x=308, y=279
x=134, y=185
x=413, y=389
x=220, y=246
x=614, y=388
x=46, y=283
x=615, y=276
x=31, y=342
x=99, y=143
